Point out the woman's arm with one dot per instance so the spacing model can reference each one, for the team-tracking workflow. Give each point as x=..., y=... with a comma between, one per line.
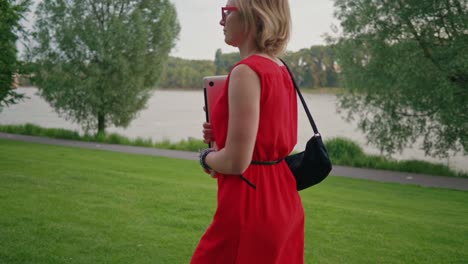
x=244, y=114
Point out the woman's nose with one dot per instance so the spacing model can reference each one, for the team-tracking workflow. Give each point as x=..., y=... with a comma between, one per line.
x=221, y=22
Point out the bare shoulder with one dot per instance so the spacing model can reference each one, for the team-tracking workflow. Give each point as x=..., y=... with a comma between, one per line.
x=243, y=74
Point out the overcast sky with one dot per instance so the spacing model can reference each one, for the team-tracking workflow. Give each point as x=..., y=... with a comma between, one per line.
x=201, y=35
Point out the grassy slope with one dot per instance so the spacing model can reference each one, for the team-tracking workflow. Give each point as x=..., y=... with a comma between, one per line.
x=69, y=205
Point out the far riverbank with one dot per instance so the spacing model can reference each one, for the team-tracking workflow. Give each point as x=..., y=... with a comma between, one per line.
x=178, y=115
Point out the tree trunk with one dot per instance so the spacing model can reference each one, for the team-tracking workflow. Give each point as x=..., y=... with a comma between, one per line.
x=101, y=123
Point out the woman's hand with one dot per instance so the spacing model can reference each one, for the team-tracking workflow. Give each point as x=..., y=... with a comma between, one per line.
x=212, y=173
x=208, y=136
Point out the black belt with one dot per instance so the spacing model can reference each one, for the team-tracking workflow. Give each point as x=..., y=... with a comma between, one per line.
x=256, y=162
x=273, y=162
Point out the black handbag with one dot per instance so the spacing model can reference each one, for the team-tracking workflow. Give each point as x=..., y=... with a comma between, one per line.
x=313, y=165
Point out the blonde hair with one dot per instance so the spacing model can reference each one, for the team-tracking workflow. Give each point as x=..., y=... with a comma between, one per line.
x=272, y=21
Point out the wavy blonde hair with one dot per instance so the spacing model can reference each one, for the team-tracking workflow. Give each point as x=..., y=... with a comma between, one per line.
x=272, y=21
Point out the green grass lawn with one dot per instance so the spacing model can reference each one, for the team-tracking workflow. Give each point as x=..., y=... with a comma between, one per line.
x=70, y=205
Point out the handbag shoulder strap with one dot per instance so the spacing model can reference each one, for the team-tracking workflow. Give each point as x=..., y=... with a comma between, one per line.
x=311, y=120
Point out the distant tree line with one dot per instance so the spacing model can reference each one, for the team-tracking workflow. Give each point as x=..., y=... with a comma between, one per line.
x=185, y=74
x=313, y=68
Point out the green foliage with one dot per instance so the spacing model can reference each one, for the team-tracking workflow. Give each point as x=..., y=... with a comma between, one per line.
x=11, y=13
x=314, y=67
x=187, y=145
x=345, y=152
x=225, y=62
x=114, y=138
x=110, y=138
x=34, y=130
x=186, y=74
x=406, y=65
x=75, y=206
x=97, y=60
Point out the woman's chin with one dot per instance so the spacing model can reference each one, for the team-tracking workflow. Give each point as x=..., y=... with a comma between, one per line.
x=230, y=42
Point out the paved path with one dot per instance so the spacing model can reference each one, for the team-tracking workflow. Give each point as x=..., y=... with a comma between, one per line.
x=368, y=174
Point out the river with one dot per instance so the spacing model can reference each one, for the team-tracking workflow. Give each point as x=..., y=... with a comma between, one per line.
x=177, y=115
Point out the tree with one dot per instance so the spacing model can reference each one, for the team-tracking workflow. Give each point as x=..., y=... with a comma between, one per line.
x=98, y=59
x=11, y=13
x=225, y=62
x=405, y=63
x=313, y=67
x=187, y=74
x=297, y=65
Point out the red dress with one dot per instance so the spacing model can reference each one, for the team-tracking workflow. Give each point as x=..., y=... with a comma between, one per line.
x=266, y=224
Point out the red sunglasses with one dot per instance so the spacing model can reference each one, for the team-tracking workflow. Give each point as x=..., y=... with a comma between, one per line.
x=225, y=11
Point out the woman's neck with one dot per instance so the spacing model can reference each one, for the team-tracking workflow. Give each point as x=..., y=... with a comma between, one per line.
x=248, y=48
x=246, y=54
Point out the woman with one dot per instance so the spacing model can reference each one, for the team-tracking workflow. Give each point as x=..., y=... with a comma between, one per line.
x=260, y=218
